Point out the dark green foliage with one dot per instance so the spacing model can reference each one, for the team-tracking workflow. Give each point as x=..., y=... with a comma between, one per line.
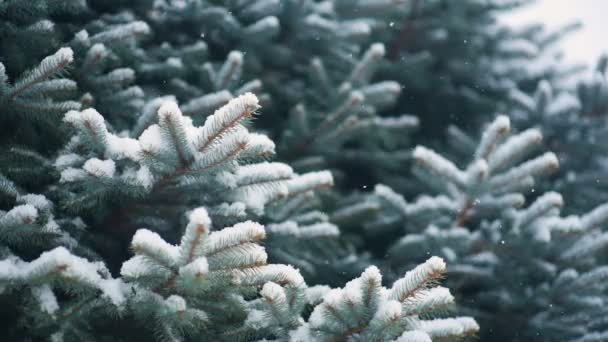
x=119, y=115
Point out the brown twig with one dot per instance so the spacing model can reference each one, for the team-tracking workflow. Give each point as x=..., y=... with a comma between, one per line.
x=406, y=32
x=464, y=214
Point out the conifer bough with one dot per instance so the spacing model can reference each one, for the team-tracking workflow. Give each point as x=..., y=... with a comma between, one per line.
x=157, y=100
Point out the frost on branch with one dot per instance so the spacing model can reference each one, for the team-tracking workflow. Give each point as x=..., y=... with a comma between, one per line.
x=172, y=67
x=107, y=87
x=59, y=265
x=30, y=225
x=64, y=286
x=209, y=275
x=336, y=112
x=497, y=179
x=544, y=108
x=174, y=156
x=496, y=175
x=35, y=94
x=560, y=114
x=366, y=310
x=300, y=233
x=573, y=123
x=530, y=263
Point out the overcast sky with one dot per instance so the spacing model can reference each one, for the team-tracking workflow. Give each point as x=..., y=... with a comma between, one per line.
x=583, y=46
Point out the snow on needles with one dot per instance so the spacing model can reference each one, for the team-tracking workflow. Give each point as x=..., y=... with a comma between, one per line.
x=60, y=261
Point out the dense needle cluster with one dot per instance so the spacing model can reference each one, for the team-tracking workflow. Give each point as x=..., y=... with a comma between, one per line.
x=297, y=170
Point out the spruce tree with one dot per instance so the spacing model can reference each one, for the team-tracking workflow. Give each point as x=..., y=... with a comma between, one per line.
x=297, y=170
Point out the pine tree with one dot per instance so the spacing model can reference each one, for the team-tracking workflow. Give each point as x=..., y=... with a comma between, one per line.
x=297, y=171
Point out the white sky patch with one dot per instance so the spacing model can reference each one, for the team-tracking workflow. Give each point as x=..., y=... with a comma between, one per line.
x=584, y=46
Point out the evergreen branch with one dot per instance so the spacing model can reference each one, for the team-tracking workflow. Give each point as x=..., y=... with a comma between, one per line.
x=226, y=118
x=47, y=68
x=417, y=279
